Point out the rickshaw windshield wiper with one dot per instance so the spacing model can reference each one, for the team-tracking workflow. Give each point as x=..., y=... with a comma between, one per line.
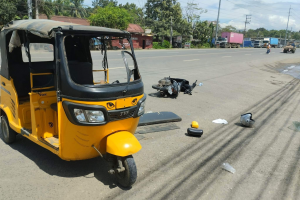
x=104, y=61
x=129, y=72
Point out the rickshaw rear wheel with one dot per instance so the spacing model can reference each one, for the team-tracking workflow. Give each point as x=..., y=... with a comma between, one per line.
x=128, y=177
x=9, y=135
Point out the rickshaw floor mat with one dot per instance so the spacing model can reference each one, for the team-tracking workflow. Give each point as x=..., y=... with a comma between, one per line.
x=53, y=141
x=156, y=128
x=158, y=118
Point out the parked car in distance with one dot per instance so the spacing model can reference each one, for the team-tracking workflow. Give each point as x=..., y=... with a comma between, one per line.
x=258, y=44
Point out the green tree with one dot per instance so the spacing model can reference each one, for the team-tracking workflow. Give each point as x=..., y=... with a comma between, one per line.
x=193, y=12
x=8, y=10
x=136, y=13
x=77, y=9
x=229, y=28
x=152, y=9
x=45, y=7
x=183, y=28
x=62, y=7
x=111, y=17
x=296, y=36
x=103, y=3
x=159, y=15
x=202, y=31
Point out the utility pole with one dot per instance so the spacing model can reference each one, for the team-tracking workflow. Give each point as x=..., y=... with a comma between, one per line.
x=171, y=33
x=217, y=22
x=287, y=26
x=36, y=9
x=248, y=17
x=280, y=38
x=29, y=4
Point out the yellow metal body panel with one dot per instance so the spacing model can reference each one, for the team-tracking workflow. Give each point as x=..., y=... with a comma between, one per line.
x=122, y=144
x=76, y=141
x=43, y=118
x=19, y=115
x=10, y=104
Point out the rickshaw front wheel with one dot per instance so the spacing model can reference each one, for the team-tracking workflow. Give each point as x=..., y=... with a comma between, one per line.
x=128, y=177
x=9, y=135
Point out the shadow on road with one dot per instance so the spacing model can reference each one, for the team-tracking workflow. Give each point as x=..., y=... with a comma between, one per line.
x=53, y=165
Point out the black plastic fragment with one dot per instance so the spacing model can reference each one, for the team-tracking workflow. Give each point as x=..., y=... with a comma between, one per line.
x=158, y=118
x=194, y=132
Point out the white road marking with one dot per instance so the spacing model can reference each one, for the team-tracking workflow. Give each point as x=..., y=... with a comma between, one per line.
x=247, y=54
x=172, y=52
x=191, y=60
x=226, y=56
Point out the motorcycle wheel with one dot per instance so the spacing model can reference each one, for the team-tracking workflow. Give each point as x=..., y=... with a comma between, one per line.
x=128, y=177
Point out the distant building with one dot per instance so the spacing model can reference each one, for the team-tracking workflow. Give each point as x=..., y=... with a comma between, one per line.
x=140, y=39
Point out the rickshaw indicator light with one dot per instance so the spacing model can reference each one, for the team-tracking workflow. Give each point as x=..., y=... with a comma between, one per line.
x=142, y=108
x=95, y=115
x=79, y=115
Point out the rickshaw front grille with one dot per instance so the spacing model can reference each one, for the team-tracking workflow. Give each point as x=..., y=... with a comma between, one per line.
x=121, y=114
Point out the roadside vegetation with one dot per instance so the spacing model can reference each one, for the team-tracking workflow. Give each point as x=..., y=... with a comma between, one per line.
x=158, y=16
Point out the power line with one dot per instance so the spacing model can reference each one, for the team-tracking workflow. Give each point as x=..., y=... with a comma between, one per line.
x=298, y=16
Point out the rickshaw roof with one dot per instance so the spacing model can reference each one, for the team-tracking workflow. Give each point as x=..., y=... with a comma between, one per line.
x=44, y=27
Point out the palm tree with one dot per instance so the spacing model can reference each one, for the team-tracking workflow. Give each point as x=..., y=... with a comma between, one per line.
x=45, y=7
x=77, y=9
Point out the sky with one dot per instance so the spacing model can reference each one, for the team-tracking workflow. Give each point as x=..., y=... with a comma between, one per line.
x=270, y=14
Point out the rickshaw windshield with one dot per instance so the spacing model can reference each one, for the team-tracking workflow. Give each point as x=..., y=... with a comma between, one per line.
x=100, y=60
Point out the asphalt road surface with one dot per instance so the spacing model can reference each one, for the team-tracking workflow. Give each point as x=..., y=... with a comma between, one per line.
x=172, y=165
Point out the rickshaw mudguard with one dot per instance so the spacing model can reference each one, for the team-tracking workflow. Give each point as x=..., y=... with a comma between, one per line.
x=122, y=144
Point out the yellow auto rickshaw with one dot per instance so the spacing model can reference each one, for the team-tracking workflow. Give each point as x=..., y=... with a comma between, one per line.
x=50, y=93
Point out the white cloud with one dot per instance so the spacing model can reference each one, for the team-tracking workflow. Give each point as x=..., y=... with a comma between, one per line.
x=270, y=14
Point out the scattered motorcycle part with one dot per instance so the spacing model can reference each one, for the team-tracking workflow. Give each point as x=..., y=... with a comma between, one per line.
x=194, y=132
x=158, y=118
x=195, y=124
x=246, y=120
x=228, y=167
x=220, y=121
x=172, y=86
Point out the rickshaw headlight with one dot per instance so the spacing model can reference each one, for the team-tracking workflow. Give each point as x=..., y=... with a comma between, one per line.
x=142, y=108
x=79, y=115
x=95, y=115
